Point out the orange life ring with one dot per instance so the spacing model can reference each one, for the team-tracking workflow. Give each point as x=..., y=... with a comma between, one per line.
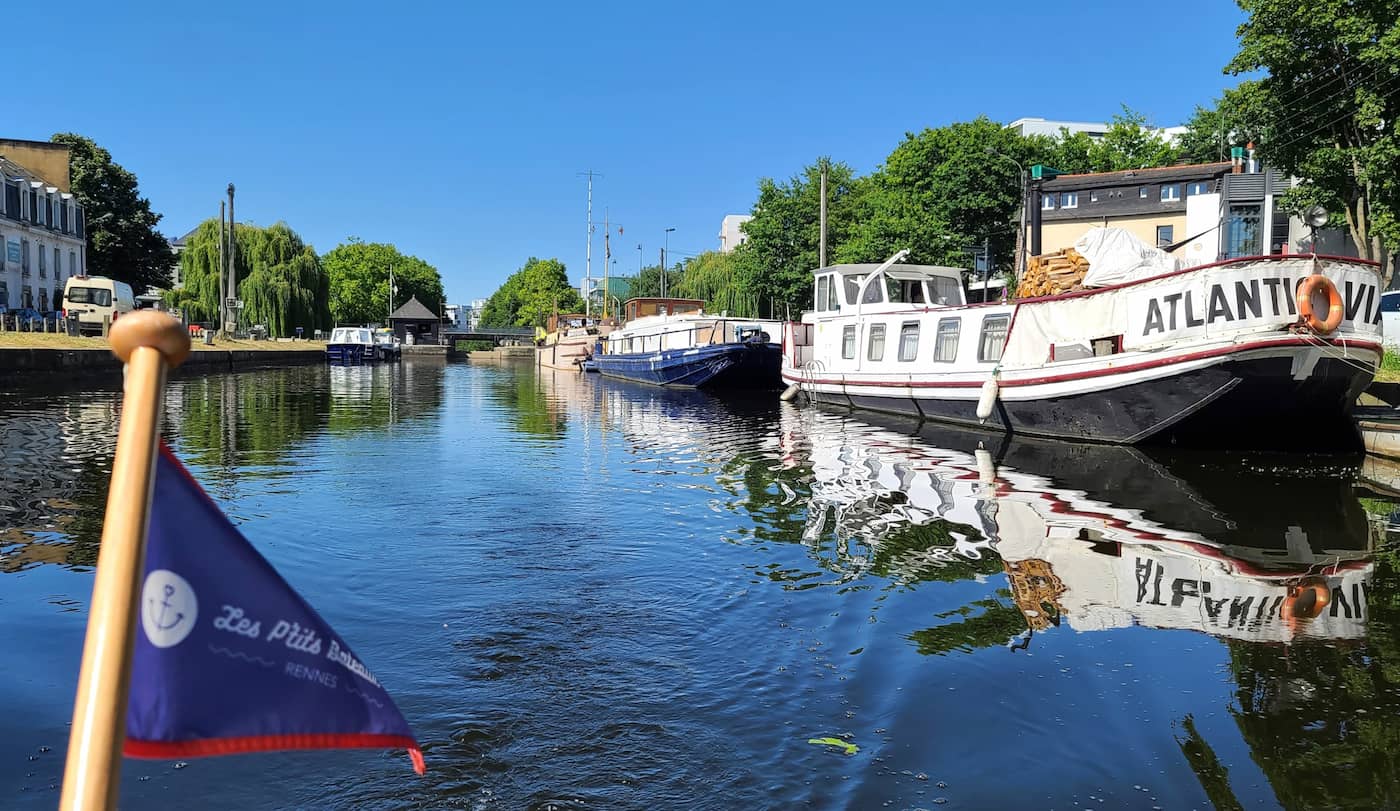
x=1311, y=287
x=1306, y=600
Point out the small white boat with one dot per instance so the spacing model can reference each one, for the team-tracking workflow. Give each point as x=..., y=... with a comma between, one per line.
x=350, y=345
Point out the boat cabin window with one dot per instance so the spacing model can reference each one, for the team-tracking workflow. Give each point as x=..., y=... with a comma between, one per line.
x=852, y=287
x=945, y=345
x=826, y=293
x=993, y=338
x=904, y=291
x=873, y=295
x=946, y=292
x=909, y=340
x=875, y=350
x=848, y=342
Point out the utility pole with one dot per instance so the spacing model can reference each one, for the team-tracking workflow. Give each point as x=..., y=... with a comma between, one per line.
x=588, y=253
x=223, y=262
x=231, y=320
x=666, y=249
x=821, y=248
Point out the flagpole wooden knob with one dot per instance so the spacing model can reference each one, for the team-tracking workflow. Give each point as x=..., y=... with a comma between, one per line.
x=152, y=328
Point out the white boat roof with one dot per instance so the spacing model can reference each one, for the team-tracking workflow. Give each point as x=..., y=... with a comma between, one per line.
x=902, y=272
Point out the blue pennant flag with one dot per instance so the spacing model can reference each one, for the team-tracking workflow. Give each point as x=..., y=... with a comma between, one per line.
x=228, y=658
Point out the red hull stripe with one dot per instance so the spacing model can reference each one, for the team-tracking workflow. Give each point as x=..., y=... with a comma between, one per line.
x=1135, y=367
x=209, y=747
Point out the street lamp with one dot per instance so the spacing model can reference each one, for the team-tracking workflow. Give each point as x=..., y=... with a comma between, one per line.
x=1020, y=234
x=665, y=248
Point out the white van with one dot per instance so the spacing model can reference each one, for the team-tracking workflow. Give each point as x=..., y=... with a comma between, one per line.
x=94, y=298
x=1390, y=320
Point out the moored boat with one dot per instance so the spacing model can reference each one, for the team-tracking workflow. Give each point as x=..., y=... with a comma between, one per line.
x=350, y=345
x=1264, y=351
x=673, y=342
x=569, y=340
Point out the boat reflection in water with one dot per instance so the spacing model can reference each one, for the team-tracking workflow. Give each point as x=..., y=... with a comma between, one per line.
x=1099, y=537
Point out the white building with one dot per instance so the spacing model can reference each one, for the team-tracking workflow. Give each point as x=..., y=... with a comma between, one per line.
x=42, y=236
x=458, y=315
x=1094, y=129
x=474, y=316
x=730, y=237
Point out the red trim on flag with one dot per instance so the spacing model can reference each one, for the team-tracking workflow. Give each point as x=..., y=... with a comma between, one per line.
x=211, y=747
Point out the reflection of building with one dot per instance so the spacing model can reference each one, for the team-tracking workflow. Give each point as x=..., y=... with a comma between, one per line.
x=42, y=229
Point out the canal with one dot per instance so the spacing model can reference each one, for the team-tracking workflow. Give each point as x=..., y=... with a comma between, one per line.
x=587, y=594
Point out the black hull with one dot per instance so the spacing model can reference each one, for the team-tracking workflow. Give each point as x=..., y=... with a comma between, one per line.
x=1249, y=403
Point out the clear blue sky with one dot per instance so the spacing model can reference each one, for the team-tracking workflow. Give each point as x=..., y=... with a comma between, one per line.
x=456, y=131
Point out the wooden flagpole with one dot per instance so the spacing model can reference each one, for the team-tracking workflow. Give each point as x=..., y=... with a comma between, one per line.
x=150, y=343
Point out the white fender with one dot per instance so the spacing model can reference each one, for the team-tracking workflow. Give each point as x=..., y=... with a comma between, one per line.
x=790, y=392
x=988, y=400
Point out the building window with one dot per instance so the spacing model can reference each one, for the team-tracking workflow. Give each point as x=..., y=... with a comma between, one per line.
x=1047, y=202
x=1142, y=192
x=73, y=263
x=909, y=340
x=1164, y=235
x=24, y=256
x=848, y=342
x=945, y=346
x=66, y=217
x=26, y=296
x=1069, y=199
x=1171, y=192
x=875, y=348
x=5, y=294
x=43, y=263
x=43, y=300
x=1197, y=188
x=993, y=338
x=57, y=263
x=1244, y=228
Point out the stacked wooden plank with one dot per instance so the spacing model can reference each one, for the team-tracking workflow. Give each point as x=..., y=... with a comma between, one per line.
x=1053, y=273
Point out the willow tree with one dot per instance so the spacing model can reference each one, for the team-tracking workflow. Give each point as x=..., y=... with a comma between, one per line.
x=716, y=278
x=279, y=278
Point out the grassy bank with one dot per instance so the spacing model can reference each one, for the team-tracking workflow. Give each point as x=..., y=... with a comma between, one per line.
x=1390, y=369
x=41, y=340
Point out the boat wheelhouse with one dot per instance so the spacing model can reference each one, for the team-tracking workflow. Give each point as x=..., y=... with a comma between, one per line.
x=1221, y=354
x=673, y=342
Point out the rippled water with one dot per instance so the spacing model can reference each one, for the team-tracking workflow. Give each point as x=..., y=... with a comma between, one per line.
x=585, y=594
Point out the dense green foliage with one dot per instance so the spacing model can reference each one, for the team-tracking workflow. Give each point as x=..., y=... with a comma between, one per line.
x=279, y=279
x=531, y=294
x=122, y=241
x=359, y=281
x=716, y=278
x=1326, y=109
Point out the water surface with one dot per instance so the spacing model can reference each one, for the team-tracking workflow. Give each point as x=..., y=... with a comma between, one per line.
x=587, y=594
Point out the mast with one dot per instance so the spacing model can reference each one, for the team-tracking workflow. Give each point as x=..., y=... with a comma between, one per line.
x=607, y=257
x=588, y=253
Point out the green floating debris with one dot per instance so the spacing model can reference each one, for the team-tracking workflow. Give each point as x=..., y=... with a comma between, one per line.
x=846, y=746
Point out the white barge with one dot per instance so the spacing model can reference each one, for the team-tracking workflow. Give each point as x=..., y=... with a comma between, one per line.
x=1264, y=351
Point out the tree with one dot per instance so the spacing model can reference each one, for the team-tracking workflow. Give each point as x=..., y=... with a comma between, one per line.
x=942, y=190
x=1326, y=111
x=1212, y=131
x=716, y=278
x=531, y=294
x=359, y=281
x=777, y=261
x=122, y=241
x=1130, y=143
x=279, y=278
x=647, y=282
